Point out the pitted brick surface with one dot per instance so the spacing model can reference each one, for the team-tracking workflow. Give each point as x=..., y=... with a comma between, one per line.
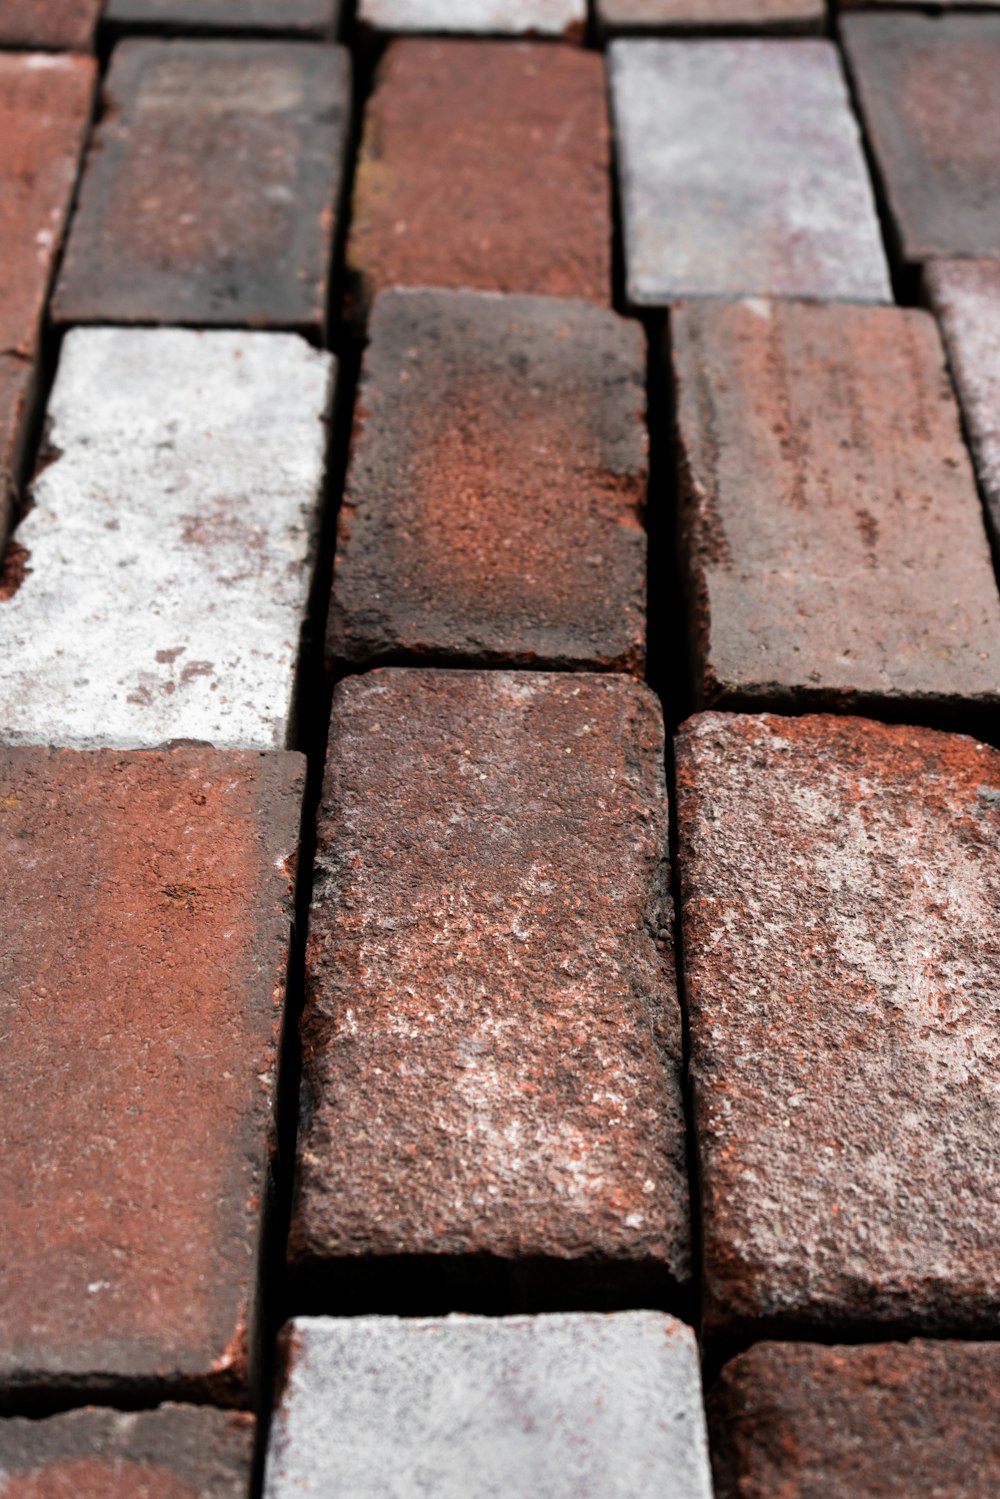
x=494, y=503
x=910, y=1419
x=211, y=189
x=56, y=24
x=147, y=905
x=650, y=16
x=295, y=17
x=484, y=1408
x=840, y=882
x=491, y=1037
x=831, y=529
x=515, y=17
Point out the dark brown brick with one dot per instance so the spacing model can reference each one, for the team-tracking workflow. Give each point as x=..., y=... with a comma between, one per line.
x=62, y=25
x=909, y=1419
x=832, y=534
x=210, y=194
x=931, y=107
x=491, y=1036
x=175, y=1452
x=840, y=882
x=17, y=390
x=146, y=901
x=290, y=17
x=496, y=489
x=485, y=165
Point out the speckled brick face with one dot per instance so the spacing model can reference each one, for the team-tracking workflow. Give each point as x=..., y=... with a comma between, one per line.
x=484, y=165
x=210, y=193
x=146, y=902
x=915, y=1419
x=832, y=534
x=494, y=502
x=652, y=16
x=928, y=92
x=294, y=17
x=175, y=1452
x=488, y=17
x=840, y=882
x=56, y=24
x=491, y=1033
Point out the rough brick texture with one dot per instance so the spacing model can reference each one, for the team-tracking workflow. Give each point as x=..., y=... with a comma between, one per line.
x=840, y=882
x=488, y=17
x=175, y=1452
x=480, y=1408
x=166, y=558
x=742, y=172
x=928, y=92
x=485, y=165
x=146, y=901
x=210, y=193
x=496, y=489
x=293, y=17
x=915, y=1419
x=56, y=24
x=616, y=17
x=491, y=1037
x=831, y=530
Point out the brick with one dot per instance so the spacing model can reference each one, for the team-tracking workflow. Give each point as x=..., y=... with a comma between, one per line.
x=17, y=393
x=169, y=545
x=832, y=535
x=291, y=17
x=175, y=1452
x=210, y=193
x=487, y=17
x=742, y=172
x=555, y=1407
x=913, y=1418
x=147, y=904
x=928, y=97
x=58, y=24
x=483, y=524
x=491, y=1039
x=647, y=17
x=839, y=886
x=475, y=174
x=965, y=297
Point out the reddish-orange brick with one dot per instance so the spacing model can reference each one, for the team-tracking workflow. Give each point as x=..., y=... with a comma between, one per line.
x=62, y=25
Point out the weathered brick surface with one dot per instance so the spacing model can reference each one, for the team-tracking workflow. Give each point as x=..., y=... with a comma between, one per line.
x=742, y=172
x=57, y=24
x=831, y=529
x=17, y=383
x=616, y=17
x=496, y=489
x=488, y=17
x=928, y=92
x=555, y=1407
x=292, y=17
x=491, y=1037
x=210, y=193
x=175, y=1452
x=169, y=544
x=915, y=1419
x=146, y=903
x=485, y=165
x=965, y=296
x=840, y=882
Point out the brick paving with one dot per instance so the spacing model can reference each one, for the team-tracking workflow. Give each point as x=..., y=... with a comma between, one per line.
x=465, y=1104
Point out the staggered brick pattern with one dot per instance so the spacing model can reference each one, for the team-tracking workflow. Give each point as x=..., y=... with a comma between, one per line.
x=295, y=17
x=622, y=17
x=497, y=17
x=56, y=24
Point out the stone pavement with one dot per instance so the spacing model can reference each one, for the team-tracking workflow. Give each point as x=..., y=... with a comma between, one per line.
x=499, y=749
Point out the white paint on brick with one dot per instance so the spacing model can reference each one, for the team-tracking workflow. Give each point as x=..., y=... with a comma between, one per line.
x=513, y=17
x=170, y=542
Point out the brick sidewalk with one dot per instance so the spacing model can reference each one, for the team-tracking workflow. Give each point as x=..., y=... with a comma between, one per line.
x=499, y=749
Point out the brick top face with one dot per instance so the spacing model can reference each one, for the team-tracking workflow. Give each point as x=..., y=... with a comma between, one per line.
x=59, y=24
x=146, y=905
x=742, y=173
x=308, y=17
x=514, y=17
x=685, y=15
x=840, y=883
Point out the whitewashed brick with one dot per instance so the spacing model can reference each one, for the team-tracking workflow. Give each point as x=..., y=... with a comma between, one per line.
x=486, y=17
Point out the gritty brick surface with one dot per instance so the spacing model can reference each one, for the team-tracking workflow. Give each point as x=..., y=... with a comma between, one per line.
x=167, y=553
x=927, y=88
x=147, y=905
x=55, y=24
x=839, y=885
x=175, y=1452
x=493, y=511
x=832, y=534
x=491, y=1036
x=488, y=17
x=619, y=17
x=965, y=296
x=485, y=165
x=483, y=1408
x=742, y=172
x=915, y=1419
x=211, y=190
x=292, y=17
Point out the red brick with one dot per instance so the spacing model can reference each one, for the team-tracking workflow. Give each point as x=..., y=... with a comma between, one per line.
x=175, y=1452
x=832, y=534
x=485, y=165
x=146, y=901
x=915, y=1419
x=840, y=881
x=491, y=1037
x=210, y=194
x=483, y=523
x=928, y=92
x=655, y=17
x=62, y=25
x=291, y=17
